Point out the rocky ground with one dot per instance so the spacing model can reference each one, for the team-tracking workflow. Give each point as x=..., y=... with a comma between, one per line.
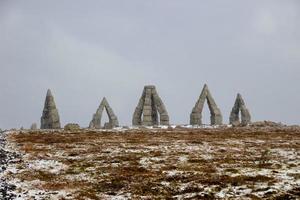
x=257, y=162
x=6, y=158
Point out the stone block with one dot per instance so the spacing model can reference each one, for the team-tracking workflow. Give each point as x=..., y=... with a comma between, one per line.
x=71, y=127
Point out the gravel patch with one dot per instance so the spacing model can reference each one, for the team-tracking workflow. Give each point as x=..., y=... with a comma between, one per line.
x=6, y=158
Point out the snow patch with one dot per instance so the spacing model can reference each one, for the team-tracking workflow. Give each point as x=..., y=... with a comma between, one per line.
x=48, y=165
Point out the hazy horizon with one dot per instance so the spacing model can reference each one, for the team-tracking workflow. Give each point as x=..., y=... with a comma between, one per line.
x=84, y=51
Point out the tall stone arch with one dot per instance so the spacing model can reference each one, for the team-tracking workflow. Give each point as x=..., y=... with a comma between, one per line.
x=150, y=109
x=215, y=113
x=96, y=121
x=240, y=106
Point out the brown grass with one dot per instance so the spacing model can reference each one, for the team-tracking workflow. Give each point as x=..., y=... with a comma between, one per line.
x=111, y=161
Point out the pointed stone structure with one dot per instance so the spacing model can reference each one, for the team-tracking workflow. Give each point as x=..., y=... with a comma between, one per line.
x=150, y=110
x=196, y=115
x=240, y=105
x=50, y=117
x=33, y=126
x=96, y=121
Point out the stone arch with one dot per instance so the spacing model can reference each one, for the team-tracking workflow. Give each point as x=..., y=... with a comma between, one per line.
x=96, y=121
x=215, y=113
x=150, y=109
x=239, y=106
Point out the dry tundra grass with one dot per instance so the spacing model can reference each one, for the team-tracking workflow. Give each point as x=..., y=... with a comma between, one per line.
x=240, y=163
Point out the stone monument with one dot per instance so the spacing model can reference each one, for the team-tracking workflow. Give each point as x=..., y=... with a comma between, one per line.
x=150, y=110
x=196, y=115
x=50, y=117
x=240, y=106
x=96, y=121
x=33, y=126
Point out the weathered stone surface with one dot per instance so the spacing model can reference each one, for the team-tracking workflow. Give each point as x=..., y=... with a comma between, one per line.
x=108, y=125
x=149, y=108
x=50, y=118
x=240, y=105
x=96, y=121
x=196, y=115
x=71, y=127
x=33, y=126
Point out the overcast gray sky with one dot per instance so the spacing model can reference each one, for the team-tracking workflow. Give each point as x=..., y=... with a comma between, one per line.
x=85, y=50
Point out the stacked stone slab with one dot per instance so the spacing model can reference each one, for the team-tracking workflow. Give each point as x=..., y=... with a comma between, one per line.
x=240, y=106
x=96, y=121
x=196, y=115
x=148, y=108
x=50, y=117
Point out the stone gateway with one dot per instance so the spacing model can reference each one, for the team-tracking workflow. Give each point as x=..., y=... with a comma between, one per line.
x=96, y=121
x=240, y=105
x=196, y=115
x=150, y=110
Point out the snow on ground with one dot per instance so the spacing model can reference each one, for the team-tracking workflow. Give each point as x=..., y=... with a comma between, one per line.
x=52, y=166
x=156, y=162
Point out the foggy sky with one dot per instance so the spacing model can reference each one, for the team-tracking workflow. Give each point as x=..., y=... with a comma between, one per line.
x=85, y=50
